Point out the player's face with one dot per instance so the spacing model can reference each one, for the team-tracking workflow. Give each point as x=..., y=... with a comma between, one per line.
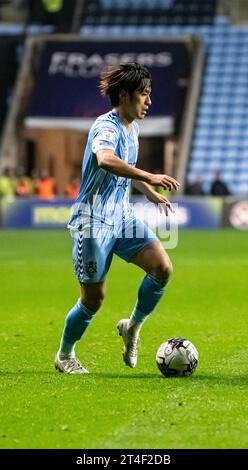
x=137, y=105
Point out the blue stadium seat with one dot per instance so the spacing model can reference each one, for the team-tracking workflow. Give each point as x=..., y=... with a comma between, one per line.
x=221, y=132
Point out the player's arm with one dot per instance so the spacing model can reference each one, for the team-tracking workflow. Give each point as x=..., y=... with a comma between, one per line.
x=143, y=187
x=153, y=195
x=110, y=162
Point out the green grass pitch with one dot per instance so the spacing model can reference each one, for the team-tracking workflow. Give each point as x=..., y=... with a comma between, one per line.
x=117, y=407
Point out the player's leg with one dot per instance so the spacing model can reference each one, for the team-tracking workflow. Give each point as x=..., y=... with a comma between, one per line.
x=81, y=315
x=76, y=323
x=147, y=253
x=156, y=263
x=92, y=258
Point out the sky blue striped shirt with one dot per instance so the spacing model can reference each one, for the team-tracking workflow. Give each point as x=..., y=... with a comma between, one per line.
x=103, y=196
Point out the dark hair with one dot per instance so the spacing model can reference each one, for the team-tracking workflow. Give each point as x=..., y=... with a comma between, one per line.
x=129, y=77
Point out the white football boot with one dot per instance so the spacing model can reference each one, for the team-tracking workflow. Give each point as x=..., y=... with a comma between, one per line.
x=69, y=365
x=131, y=342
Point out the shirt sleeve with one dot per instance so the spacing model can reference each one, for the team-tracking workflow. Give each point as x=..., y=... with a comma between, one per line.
x=106, y=137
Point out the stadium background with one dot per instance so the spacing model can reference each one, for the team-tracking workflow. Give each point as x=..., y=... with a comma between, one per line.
x=51, y=53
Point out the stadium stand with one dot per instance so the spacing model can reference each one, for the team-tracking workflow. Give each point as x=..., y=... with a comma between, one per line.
x=220, y=141
x=147, y=12
x=221, y=134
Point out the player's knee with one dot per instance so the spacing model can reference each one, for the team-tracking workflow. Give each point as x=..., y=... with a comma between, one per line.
x=164, y=270
x=94, y=301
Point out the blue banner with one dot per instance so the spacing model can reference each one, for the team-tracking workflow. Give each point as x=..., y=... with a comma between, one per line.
x=68, y=76
x=34, y=213
x=191, y=212
x=199, y=213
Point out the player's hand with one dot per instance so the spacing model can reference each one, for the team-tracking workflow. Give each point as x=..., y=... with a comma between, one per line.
x=167, y=182
x=163, y=203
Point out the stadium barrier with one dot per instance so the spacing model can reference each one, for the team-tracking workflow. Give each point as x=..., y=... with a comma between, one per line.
x=191, y=213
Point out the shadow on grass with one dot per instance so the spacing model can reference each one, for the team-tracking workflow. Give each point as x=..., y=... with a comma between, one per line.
x=107, y=375
x=211, y=380
x=203, y=379
x=131, y=375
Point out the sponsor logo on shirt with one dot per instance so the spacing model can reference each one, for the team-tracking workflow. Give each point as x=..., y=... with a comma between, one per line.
x=108, y=134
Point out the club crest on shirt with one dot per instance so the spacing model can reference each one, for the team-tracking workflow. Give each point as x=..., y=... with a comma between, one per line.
x=91, y=267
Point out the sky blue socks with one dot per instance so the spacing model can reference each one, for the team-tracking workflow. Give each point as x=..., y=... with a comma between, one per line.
x=150, y=293
x=76, y=322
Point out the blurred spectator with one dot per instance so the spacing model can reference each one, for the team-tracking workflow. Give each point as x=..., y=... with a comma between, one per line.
x=23, y=187
x=7, y=183
x=45, y=11
x=219, y=187
x=58, y=13
x=72, y=188
x=53, y=12
x=46, y=186
x=195, y=187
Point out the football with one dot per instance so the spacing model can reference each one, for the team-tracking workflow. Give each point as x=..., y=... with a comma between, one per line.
x=177, y=357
